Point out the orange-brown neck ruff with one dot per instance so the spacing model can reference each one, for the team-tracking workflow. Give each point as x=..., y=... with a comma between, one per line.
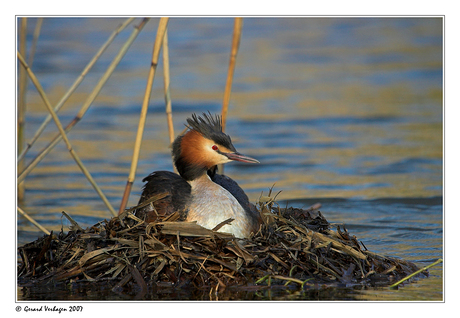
x=190, y=162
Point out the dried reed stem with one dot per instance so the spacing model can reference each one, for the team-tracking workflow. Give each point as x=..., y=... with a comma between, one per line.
x=288, y=279
x=21, y=102
x=23, y=90
x=395, y=285
x=158, y=249
x=231, y=68
x=33, y=47
x=31, y=220
x=167, y=89
x=88, y=101
x=140, y=130
x=63, y=134
x=74, y=86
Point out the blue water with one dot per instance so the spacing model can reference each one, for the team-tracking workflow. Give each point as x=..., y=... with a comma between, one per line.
x=343, y=111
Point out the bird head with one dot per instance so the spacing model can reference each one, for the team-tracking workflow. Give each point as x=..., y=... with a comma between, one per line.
x=204, y=146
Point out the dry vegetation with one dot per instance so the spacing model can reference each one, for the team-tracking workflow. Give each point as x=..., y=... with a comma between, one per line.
x=294, y=247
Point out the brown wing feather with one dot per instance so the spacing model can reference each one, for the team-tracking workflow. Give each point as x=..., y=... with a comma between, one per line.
x=179, y=195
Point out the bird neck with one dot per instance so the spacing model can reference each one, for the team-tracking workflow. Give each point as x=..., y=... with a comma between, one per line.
x=190, y=171
x=189, y=162
x=202, y=181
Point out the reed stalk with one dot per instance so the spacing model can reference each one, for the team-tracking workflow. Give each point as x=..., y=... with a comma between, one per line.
x=395, y=285
x=23, y=90
x=140, y=130
x=287, y=279
x=21, y=102
x=167, y=82
x=31, y=220
x=63, y=134
x=75, y=85
x=167, y=87
x=231, y=68
x=88, y=101
x=33, y=47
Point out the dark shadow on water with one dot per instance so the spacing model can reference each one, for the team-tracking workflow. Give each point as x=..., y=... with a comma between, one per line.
x=87, y=291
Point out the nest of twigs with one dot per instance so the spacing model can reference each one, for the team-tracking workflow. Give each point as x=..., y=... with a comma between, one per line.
x=295, y=248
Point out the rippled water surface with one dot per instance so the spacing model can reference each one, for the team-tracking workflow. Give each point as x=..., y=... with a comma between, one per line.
x=343, y=111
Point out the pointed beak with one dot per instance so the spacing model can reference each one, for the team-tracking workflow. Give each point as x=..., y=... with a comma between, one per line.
x=239, y=157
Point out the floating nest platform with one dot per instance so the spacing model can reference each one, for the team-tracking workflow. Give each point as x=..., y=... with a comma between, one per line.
x=295, y=248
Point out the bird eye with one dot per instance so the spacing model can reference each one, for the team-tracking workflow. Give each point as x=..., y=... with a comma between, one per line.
x=214, y=147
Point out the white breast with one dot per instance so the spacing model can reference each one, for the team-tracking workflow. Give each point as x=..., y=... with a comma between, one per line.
x=211, y=204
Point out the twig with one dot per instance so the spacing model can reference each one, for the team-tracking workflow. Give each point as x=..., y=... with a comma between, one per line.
x=395, y=285
x=288, y=279
x=75, y=226
x=31, y=220
x=221, y=224
x=140, y=130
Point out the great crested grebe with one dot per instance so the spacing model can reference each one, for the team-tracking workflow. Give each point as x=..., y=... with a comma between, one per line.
x=198, y=192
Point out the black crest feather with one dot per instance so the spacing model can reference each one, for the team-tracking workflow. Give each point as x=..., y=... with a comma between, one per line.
x=210, y=127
